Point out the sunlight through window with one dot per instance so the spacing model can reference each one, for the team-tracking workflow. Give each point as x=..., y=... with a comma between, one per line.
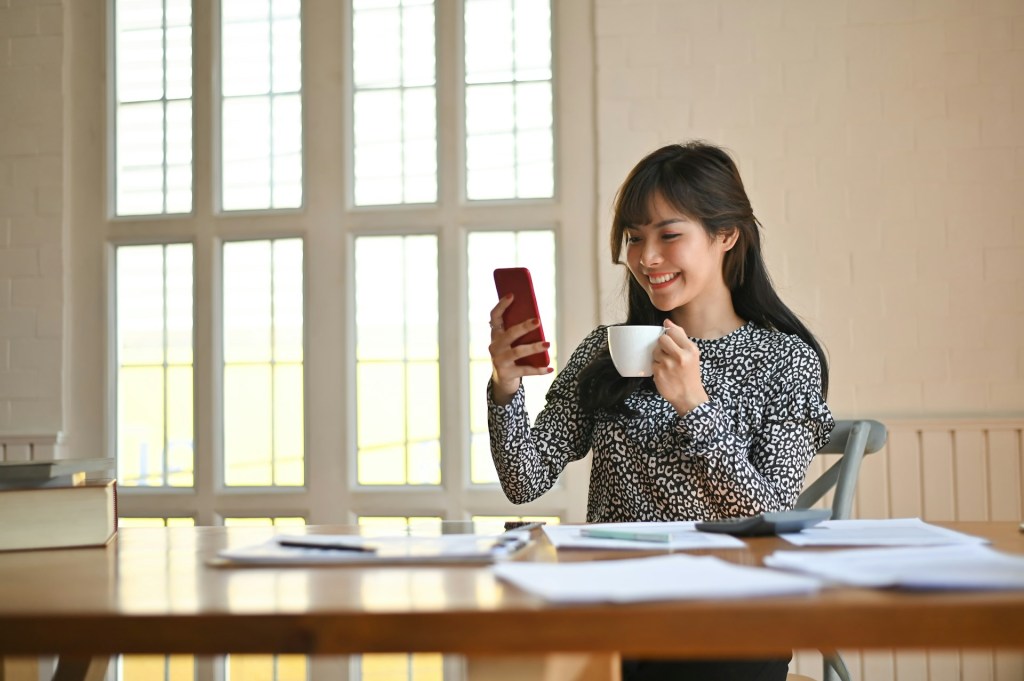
x=397, y=370
x=263, y=363
x=488, y=251
x=261, y=104
x=394, y=102
x=153, y=106
x=154, y=366
x=509, y=120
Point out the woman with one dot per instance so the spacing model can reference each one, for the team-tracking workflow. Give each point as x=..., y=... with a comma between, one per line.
x=735, y=410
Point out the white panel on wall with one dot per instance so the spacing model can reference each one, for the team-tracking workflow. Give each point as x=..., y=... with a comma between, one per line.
x=938, y=470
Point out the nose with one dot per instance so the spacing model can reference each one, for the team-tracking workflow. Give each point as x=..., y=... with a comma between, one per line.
x=650, y=256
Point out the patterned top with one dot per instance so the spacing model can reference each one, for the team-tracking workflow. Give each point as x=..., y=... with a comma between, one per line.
x=743, y=452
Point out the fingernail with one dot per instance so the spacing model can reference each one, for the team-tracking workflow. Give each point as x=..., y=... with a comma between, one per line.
x=547, y=345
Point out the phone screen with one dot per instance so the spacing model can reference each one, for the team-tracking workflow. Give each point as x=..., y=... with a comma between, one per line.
x=517, y=281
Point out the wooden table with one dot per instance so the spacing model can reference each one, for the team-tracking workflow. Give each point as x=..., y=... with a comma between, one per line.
x=151, y=591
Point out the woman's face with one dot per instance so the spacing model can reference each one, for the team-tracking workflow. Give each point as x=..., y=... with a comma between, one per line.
x=674, y=259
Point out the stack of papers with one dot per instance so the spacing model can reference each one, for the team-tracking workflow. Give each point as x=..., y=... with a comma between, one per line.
x=670, y=536
x=887, y=532
x=958, y=566
x=346, y=549
x=651, y=579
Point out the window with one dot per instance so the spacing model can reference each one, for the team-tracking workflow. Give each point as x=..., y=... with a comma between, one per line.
x=488, y=251
x=263, y=384
x=397, y=362
x=261, y=104
x=509, y=145
x=394, y=102
x=154, y=360
x=308, y=202
x=153, y=107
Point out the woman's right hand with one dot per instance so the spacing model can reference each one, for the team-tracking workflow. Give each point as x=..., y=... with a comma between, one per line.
x=505, y=373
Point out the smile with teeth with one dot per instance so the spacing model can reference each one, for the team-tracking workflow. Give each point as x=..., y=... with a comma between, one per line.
x=662, y=279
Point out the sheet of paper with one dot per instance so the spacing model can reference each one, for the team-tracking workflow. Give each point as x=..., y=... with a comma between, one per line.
x=334, y=549
x=682, y=536
x=960, y=566
x=651, y=579
x=885, y=532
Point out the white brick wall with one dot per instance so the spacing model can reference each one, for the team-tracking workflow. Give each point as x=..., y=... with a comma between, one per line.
x=882, y=143
x=31, y=190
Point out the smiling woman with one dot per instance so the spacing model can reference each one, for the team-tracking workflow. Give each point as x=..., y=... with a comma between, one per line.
x=735, y=409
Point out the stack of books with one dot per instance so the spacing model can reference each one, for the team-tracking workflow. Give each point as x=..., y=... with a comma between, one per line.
x=56, y=504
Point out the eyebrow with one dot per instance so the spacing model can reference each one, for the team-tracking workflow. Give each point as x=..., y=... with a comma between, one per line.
x=658, y=225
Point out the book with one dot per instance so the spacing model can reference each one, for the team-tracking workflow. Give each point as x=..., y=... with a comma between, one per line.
x=58, y=517
x=42, y=472
x=69, y=480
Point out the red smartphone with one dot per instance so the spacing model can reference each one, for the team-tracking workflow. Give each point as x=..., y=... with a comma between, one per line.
x=517, y=281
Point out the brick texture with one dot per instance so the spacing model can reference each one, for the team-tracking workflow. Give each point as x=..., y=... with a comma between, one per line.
x=31, y=190
x=882, y=143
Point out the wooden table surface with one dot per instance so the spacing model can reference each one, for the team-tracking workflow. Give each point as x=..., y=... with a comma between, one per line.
x=151, y=591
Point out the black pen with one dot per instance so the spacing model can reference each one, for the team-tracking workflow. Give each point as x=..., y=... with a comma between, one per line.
x=526, y=527
x=330, y=544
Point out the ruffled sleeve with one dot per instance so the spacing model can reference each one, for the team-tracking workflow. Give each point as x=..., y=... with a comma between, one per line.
x=528, y=458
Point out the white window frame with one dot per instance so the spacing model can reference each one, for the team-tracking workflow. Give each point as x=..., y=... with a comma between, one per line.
x=327, y=223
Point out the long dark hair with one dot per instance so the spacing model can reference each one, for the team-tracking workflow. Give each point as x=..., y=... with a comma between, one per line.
x=701, y=181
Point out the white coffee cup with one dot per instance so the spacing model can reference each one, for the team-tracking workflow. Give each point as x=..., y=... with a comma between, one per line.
x=632, y=348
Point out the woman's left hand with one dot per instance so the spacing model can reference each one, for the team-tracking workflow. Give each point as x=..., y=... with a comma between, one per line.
x=677, y=369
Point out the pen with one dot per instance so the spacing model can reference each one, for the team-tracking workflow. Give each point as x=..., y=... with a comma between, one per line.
x=659, y=537
x=329, y=544
x=525, y=527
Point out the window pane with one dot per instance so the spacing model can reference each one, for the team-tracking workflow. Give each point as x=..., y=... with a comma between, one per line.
x=156, y=667
x=488, y=251
x=261, y=105
x=395, y=119
x=509, y=120
x=263, y=363
x=154, y=365
x=153, y=107
x=156, y=522
x=398, y=422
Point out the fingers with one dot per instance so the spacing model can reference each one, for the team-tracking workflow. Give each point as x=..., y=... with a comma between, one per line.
x=676, y=333
x=675, y=347
x=504, y=354
x=497, y=315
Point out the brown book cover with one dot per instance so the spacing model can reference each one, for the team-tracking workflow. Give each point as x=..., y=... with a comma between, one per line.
x=58, y=517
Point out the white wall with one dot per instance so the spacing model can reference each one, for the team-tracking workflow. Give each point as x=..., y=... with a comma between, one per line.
x=31, y=215
x=882, y=144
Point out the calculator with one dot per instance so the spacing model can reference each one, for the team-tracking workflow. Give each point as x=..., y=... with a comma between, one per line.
x=777, y=522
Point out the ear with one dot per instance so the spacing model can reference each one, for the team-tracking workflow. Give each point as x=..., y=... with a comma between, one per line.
x=730, y=238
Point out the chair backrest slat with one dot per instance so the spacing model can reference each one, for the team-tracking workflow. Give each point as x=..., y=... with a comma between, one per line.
x=853, y=439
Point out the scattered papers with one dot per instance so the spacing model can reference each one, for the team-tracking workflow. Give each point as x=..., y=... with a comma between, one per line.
x=887, y=532
x=963, y=566
x=344, y=549
x=681, y=536
x=651, y=579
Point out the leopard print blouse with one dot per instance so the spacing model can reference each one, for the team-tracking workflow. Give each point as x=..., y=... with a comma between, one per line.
x=743, y=452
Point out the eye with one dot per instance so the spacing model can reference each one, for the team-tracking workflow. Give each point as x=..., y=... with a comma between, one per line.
x=669, y=236
x=630, y=239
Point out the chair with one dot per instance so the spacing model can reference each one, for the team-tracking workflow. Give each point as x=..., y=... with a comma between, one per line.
x=853, y=439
